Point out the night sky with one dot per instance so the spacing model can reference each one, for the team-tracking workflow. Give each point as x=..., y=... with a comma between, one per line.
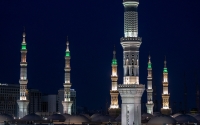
x=167, y=27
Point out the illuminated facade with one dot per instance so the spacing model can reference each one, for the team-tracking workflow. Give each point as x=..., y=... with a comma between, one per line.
x=60, y=98
x=67, y=102
x=23, y=100
x=114, y=109
x=165, y=95
x=149, y=104
x=131, y=91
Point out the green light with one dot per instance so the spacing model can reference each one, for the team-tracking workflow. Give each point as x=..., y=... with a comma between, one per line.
x=23, y=47
x=165, y=70
x=114, y=62
x=149, y=65
x=67, y=53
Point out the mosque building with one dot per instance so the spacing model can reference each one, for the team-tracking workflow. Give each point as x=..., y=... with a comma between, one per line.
x=130, y=91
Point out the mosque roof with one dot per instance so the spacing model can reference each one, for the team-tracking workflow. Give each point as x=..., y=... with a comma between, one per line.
x=95, y=115
x=186, y=119
x=175, y=115
x=146, y=116
x=103, y=118
x=5, y=117
x=32, y=117
x=58, y=117
x=66, y=115
x=162, y=119
x=77, y=119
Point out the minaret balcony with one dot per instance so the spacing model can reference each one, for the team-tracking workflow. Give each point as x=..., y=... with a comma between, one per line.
x=123, y=39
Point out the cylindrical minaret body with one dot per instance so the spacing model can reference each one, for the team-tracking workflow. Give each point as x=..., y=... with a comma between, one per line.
x=67, y=103
x=149, y=104
x=23, y=101
x=131, y=91
x=131, y=42
x=165, y=95
x=114, y=107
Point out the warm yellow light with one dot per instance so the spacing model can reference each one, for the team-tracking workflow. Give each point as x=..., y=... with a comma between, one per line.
x=165, y=107
x=114, y=74
x=114, y=106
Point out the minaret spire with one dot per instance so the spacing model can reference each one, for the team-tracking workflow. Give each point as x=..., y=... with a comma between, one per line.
x=165, y=95
x=23, y=101
x=67, y=103
x=114, y=107
x=67, y=48
x=149, y=104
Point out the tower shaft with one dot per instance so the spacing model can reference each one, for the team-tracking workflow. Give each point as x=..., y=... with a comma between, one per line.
x=67, y=103
x=131, y=91
x=23, y=101
x=114, y=109
x=165, y=95
x=149, y=104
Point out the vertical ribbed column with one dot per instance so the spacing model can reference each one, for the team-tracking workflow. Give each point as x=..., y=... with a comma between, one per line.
x=131, y=90
x=130, y=18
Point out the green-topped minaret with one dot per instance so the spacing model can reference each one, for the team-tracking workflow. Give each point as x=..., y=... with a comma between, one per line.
x=165, y=95
x=114, y=60
x=67, y=103
x=149, y=103
x=114, y=109
x=23, y=100
x=67, y=53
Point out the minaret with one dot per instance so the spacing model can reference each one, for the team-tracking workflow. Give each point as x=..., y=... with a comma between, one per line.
x=23, y=101
x=149, y=89
x=67, y=103
x=131, y=91
x=114, y=109
x=165, y=95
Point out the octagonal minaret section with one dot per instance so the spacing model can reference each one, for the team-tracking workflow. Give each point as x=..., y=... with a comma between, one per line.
x=23, y=101
x=165, y=95
x=149, y=104
x=131, y=91
x=67, y=103
x=131, y=42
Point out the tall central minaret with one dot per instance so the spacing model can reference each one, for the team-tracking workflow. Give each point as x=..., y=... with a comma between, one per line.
x=165, y=95
x=67, y=103
x=23, y=101
x=149, y=89
x=131, y=91
x=114, y=109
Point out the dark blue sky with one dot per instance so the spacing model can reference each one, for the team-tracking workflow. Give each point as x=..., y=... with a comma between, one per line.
x=168, y=27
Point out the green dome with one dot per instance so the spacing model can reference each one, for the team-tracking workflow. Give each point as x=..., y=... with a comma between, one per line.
x=114, y=62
